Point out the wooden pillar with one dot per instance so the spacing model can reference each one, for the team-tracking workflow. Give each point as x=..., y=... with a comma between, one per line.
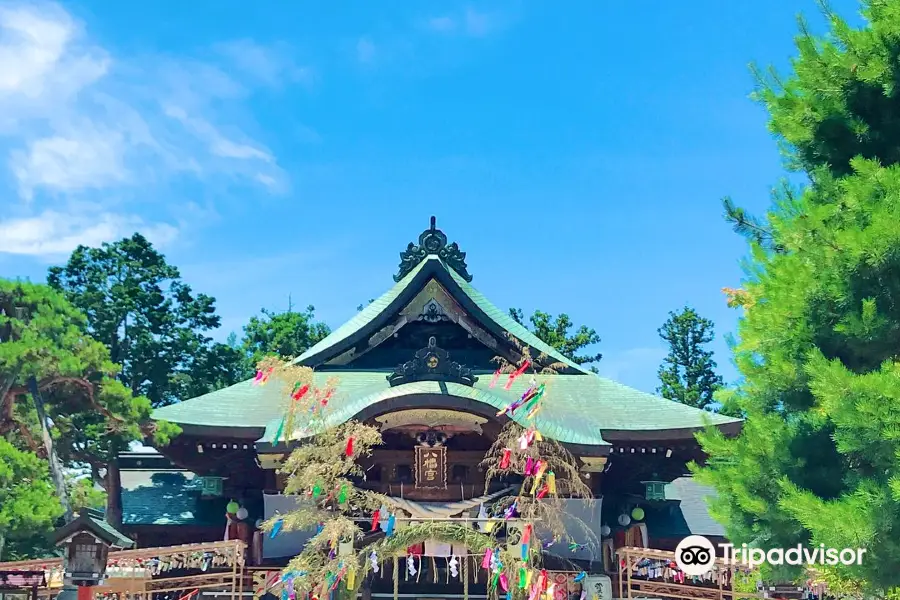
x=396, y=578
x=234, y=569
x=628, y=573
x=241, y=572
x=719, y=574
x=621, y=573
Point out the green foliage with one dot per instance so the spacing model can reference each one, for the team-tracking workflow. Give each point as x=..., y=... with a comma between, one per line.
x=818, y=354
x=94, y=415
x=841, y=100
x=687, y=374
x=28, y=504
x=152, y=323
x=818, y=461
x=555, y=332
x=821, y=389
x=287, y=334
x=83, y=493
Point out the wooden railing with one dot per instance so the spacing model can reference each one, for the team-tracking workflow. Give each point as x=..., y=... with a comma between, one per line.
x=216, y=566
x=631, y=585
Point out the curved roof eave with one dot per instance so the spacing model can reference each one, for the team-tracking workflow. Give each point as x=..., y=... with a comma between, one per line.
x=454, y=396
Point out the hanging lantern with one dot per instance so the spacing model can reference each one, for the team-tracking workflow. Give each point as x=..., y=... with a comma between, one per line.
x=232, y=507
x=211, y=487
x=637, y=514
x=624, y=520
x=655, y=490
x=604, y=531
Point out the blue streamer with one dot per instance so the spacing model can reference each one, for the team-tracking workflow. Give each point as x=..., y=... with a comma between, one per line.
x=389, y=531
x=276, y=528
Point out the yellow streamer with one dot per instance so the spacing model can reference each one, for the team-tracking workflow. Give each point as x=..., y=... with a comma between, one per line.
x=551, y=482
x=537, y=436
x=528, y=579
x=537, y=478
x=350, y=579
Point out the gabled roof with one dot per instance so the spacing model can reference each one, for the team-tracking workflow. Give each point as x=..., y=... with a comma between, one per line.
x=579, y=407
x=380, y=312
x=92, y=521
x=685, y=511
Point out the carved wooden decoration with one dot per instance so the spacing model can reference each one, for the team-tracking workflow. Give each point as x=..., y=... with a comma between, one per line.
x=431, y=467
x=432, y=364
x=433, y=241
x=433, y=304
x=419, y=419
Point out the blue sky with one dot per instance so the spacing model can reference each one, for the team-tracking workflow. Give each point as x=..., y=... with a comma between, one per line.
x=577, y=152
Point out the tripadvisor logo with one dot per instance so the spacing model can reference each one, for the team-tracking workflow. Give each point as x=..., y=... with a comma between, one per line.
x=695, y=555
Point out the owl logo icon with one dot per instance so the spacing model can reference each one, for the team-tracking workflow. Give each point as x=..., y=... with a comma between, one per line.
x=695, y=555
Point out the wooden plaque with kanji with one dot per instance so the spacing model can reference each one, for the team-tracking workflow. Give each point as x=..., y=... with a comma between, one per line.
x=431, y=467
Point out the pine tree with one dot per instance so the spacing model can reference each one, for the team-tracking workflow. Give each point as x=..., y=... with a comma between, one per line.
x=687, y=374
x=818, y=461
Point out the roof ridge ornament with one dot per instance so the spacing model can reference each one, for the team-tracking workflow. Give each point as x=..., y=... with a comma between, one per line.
x=433, y=241
x=431, y=363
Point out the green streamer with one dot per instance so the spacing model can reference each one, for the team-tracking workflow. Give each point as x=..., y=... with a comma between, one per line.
x=279, y=431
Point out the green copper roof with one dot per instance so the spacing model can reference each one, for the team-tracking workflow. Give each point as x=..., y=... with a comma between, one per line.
x=504, y=320
x=556, y=419
x=91, y=520
x=576, y=408
x=433, y=264
x=363, y=317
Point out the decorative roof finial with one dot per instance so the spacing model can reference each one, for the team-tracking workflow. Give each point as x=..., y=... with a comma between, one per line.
x=433, y=241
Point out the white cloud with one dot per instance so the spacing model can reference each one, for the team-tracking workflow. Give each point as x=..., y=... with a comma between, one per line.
x=76, y=120
x=272, y=66
x=470, y=22
x=54, y=234
x=365, y=50
x=77, y=161
x=478, y=23
x=35, y=53
x=635, y=367
x=441, y=24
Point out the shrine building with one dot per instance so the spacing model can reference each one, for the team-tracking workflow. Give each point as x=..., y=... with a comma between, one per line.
x=417, y=363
